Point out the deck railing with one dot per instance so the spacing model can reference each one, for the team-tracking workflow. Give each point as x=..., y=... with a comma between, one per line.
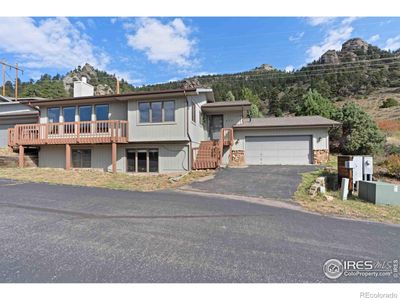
x=85, y=132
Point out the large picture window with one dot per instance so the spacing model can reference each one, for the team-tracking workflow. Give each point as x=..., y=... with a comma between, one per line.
x=142, y=160
x=85, y=115
x=53, y=116
x=157, y=111
x=69, y=116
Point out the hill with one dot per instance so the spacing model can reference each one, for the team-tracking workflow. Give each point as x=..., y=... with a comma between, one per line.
x=357, y=71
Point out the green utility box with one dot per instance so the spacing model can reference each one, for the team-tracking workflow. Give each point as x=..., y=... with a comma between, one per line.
x=379, y=192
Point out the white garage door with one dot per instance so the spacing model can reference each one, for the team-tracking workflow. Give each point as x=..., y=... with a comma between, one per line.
x=278, y=150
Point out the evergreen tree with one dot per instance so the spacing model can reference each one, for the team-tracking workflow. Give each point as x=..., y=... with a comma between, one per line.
x=316, y=105
x=360, y=134
x=229, y=96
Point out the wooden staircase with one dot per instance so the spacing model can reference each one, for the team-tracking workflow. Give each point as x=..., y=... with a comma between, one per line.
x=209, y=153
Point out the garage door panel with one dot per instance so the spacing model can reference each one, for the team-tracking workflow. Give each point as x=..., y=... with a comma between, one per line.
x=268, y=150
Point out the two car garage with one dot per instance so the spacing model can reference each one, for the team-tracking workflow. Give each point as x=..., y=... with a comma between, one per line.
x=278, y=150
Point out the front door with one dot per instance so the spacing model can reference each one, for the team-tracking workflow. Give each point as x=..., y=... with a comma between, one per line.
x=216, y=124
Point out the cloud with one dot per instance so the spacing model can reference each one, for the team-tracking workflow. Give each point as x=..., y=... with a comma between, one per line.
x=113, y=20
x=289, y=69
x=51, y=43
x=374, y=38
x=334, y=38
x=316, y=21
x=393, y=43
x=169, y=42
x=296, y=37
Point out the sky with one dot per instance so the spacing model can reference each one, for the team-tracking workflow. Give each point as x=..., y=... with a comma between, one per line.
x=152, y=50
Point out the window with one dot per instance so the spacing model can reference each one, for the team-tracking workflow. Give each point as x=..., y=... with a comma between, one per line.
x=169, y=111
x=142, y=160
x=81, y=158
x=130, y=160
x=101, y=112
x=153, y=160
x=157, y=111
x=194, y=112
x=85, y=113
x=144, y=111
x=53, y=114
x=69, y=116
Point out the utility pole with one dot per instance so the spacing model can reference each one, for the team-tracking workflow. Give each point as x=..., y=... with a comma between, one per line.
x=16, y=81
x=4, y=79
x=17, y=69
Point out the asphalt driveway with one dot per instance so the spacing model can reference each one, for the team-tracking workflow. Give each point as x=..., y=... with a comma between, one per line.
x=52, y=233
x=276, y=182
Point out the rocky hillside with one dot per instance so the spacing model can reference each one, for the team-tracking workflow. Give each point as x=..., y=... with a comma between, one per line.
x=355, y=72
x=104, y=83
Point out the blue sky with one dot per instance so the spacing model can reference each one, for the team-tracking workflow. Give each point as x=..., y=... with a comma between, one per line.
x=151, y=50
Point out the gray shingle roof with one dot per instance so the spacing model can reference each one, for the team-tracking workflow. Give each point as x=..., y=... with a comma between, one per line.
x=227, y=104
x=303, y=121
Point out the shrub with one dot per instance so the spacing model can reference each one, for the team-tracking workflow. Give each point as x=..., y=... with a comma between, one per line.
x=389, y=102
x=392, y=149
x=393, y=165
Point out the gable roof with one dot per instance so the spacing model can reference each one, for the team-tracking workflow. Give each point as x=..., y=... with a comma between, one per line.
x=303, y=121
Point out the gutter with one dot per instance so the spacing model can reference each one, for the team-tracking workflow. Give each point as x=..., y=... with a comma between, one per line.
x=190, y=160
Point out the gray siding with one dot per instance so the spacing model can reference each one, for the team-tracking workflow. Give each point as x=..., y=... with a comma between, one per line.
x=10, y=123
x=167, y=131
x=197, y=130
x=172, y=157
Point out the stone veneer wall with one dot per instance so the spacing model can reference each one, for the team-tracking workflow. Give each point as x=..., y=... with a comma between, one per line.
x=237, y=158
x=321, y=156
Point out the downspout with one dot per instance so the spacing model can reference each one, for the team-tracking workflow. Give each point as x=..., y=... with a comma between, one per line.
x=190, y=160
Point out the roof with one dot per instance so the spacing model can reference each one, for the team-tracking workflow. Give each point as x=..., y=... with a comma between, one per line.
x=139, y=94
x=227, y=103
x=224, y=106
x=303, y=121
x=23, y=99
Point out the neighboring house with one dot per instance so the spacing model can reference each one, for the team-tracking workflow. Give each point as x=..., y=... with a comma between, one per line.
x=166, y=131
x=12, y=113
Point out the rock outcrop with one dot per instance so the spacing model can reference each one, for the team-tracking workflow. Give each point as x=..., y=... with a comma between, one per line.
x=92, y=78
x=351, y=50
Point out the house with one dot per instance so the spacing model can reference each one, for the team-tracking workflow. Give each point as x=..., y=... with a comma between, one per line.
x=12, y=113
x=166, y=131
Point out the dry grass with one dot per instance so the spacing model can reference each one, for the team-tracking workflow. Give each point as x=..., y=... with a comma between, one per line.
x=94, y=178
x=352, y=208
x=371, y=103
x=7, y=152
x=389, y=125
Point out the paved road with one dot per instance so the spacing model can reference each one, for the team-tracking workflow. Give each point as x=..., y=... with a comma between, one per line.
x=54, y=233
x=279, y=182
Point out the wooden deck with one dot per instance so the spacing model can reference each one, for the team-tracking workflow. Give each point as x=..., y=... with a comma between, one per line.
x=90, y=132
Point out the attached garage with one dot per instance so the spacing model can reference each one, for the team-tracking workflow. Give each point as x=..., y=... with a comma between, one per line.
x=282, y=141
x=278, y=150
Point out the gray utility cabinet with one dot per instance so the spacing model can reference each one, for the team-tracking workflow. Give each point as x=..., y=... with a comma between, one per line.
x=379, y=192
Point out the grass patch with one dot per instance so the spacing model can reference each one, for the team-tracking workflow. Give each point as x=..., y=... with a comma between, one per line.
x=95, y=178
x=352, y=208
